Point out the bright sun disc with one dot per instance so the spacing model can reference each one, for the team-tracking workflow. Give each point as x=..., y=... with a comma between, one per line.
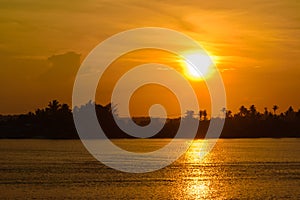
x=197, y=66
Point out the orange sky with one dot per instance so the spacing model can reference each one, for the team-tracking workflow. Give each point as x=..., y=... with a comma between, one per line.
x=150, y=94
x=255, y=43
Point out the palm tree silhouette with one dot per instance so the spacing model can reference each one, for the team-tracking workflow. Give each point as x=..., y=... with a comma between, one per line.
x=228, y=114
x=200, y=114
x=243, y=111
x=266, y=113
x=223, y=110
x=53, y=106
x=275, y=107
x=205, y=115
x=189, y=114
x=253, y=109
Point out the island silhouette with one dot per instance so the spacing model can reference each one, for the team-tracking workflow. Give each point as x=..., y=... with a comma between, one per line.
x=56, y=122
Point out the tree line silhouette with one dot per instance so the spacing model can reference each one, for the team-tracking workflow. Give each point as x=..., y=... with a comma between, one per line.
x=56, y=122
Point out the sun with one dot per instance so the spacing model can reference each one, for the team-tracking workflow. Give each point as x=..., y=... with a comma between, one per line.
x=197, y=66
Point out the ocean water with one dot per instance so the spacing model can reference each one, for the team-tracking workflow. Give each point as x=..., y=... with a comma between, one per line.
x=234, y=169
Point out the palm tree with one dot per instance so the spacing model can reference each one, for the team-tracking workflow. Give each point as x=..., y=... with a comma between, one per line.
x=223, y=111
x=275, y=107
x=290, y=113
x=65, y=108
x=253, y=109
x=205, y=115
x=53, y=106
x=228, y=114
x=243, y=111
x=266, y=113
x=189, y=114
x=200, y=114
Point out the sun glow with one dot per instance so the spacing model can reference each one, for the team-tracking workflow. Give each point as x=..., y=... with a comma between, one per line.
x=197, y=66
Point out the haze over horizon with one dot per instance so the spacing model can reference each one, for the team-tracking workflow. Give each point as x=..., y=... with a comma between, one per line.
x=255, y=45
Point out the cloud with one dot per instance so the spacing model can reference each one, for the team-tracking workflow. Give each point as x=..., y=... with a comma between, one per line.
x=63, y=67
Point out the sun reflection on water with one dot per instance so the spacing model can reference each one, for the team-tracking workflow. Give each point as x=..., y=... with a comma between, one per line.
x=195, y=185
x=197, y=188
x=197, y=151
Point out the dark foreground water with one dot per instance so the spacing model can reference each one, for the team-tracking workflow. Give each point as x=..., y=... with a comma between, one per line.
x=235, y=169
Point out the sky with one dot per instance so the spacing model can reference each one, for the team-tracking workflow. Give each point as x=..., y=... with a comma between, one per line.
x=254, y=43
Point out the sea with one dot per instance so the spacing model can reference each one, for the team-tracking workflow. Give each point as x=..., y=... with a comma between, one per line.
x=233, y=169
